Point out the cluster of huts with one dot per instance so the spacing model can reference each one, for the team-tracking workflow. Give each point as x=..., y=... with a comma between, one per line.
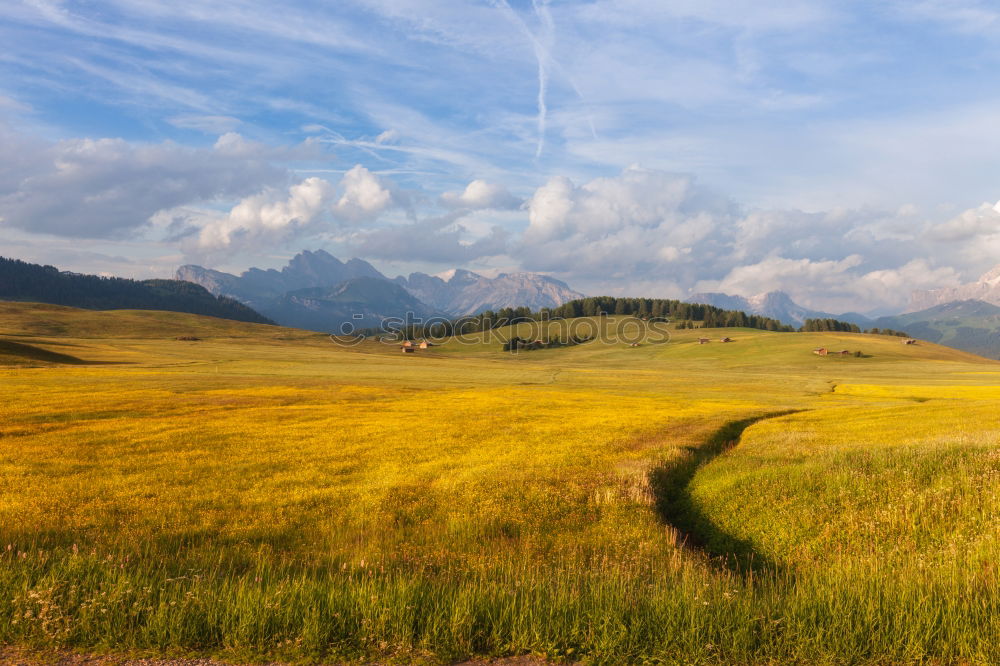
x=823, y=351
x=705, y=341
x=409, y=347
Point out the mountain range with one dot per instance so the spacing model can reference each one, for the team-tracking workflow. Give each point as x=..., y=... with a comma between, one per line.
x=777, y=305
x=969, y=324
x=317, y=291
x=986, y=289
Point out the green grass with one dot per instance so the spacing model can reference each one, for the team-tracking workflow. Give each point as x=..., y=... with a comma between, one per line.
x=264, y=493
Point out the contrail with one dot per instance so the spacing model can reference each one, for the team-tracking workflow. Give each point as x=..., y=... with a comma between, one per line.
x=541, y=55
x=543, y=110
x=545, y=17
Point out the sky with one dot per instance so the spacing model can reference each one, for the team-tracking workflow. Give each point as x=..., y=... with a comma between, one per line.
x=844, y=151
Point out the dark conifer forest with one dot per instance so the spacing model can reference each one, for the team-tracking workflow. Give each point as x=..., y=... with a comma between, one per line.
x=21, y=281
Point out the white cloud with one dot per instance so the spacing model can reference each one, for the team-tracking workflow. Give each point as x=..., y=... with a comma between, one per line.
x=645, y=227
x=364, y=196
x=275, y=216
x=803, y=279
x=627, y=224
x=388, y=136
x=479, y=195
x=263, y=217
x=94, y=188
x=972, y=223
x=888, y=285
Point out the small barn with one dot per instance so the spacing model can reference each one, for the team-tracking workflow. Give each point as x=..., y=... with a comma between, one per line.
x=844, y=352
x=703, y=341
x=821, y=351
x=407, y=343
x=408, y=349
x=726, y=340
x=425, y=344
x=909, y=341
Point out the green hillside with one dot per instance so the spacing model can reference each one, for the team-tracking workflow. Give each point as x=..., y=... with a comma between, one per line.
x=970, y=325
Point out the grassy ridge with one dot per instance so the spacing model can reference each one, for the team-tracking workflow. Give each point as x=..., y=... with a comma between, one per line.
x=275, y=495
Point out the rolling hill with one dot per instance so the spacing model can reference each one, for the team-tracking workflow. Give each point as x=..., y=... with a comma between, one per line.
x=971, y=325
x=21, y=281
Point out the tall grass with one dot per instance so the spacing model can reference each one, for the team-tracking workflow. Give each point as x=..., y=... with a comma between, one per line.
x=285, y=500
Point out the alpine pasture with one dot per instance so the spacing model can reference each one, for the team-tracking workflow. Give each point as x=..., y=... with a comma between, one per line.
x=260, y=493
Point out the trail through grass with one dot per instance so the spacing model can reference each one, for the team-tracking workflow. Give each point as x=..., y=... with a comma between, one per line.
x=670, y=484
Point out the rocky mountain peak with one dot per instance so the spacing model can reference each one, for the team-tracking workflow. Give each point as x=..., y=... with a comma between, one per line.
x=992, y=276
x=462, y=292
x=775, y=304
x=986, y=288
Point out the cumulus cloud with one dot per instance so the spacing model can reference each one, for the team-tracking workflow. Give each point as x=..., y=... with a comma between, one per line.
x=364, y=196
x=630, y=225
x=972, y=223
x=647, y=227
x=102, y=188
x=263, y=217
x=276, y=215
x=779, y=272
x=886, y=285
x=480, y=195
x=641, y=232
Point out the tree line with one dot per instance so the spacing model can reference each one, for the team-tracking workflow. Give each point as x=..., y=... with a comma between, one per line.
x=820, y=325
x=649, y=309
x=22, y=281
x=684, y=315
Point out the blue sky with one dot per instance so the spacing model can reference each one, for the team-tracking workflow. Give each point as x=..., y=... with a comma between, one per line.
x=842, y=151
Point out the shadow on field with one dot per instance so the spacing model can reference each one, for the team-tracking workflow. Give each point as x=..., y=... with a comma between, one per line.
x=26, y=352
x=671, y=483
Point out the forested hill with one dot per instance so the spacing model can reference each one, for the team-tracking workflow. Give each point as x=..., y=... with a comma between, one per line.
x=21, y=281
x=709, y=315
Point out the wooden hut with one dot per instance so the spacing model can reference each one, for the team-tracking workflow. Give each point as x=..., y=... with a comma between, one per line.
x=821, y=351
x=408, y=350
x=909, y=341
x=425, y=344
x=726, y=340
x=703, y=341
